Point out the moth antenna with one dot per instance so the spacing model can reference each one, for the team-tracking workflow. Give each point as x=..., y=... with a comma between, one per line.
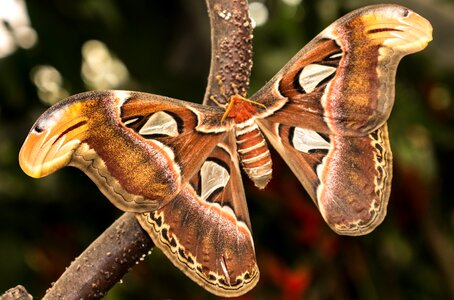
x=249, y=100
x=227, y=110
x=213, y=98
x=236, y=98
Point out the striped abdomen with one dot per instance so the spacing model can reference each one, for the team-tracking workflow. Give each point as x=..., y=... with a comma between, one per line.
x=253, y=152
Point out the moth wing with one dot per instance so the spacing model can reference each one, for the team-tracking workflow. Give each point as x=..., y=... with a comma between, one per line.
x=205, y=230
x=342, y=82
x=140, y=149
x=348, y=178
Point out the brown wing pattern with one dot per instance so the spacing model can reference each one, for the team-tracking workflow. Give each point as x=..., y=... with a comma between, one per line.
x=175, y=163
x=327, y=111
x=342, y=82
x=205, y=231
x=137, y=172
x=349, y=178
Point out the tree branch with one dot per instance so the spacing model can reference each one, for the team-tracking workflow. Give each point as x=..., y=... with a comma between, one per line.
x=231, y=50
x=16, y=293
x=112, y=254
x=104, y=262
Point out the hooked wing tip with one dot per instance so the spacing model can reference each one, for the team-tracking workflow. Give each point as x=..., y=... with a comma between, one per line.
x=52, y=140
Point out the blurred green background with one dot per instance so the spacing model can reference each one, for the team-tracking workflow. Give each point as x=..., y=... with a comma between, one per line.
x=65, y=47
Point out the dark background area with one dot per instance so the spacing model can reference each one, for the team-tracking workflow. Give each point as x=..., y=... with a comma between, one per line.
x=162, y=47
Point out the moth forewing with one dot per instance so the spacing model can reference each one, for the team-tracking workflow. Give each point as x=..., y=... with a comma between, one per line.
x=342, y=82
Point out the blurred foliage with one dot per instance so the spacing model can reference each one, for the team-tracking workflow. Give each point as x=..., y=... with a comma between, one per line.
x=162, y=47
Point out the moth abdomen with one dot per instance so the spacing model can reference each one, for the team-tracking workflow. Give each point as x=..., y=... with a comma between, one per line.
x=253, y=153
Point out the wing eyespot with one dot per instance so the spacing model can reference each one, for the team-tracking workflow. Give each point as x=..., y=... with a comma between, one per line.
x=37, y=129
x=406, y=12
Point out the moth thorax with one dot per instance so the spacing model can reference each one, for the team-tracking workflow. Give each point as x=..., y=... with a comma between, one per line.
x=253, y=153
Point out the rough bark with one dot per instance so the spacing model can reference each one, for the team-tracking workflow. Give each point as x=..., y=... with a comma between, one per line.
x=104, y=262
x=231, y=50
